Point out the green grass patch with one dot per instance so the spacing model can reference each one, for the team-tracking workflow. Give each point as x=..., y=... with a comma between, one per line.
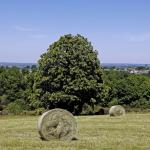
x=130, y=132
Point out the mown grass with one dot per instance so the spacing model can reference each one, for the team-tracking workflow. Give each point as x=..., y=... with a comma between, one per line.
x=131, y=132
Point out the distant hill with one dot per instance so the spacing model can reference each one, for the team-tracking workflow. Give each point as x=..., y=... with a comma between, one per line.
x=123, y=65
x=19, y=65
x=117, y=65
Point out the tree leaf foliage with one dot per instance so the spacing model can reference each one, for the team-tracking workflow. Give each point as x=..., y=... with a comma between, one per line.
x=70, y=71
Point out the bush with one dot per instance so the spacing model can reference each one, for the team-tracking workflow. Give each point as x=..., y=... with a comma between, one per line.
x=113, y=102
x=87, y=110
x=141, y=103
x=96, y=109
x=16, y=107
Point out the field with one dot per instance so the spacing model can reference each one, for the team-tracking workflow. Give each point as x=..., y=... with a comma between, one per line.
x=131, y=132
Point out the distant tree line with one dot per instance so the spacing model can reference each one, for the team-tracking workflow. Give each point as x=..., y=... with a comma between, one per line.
x=69, y=76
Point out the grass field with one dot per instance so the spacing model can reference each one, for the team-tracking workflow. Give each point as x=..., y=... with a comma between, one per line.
x=131, y=132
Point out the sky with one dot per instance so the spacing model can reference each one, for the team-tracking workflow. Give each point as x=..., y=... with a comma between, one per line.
x=118, y=29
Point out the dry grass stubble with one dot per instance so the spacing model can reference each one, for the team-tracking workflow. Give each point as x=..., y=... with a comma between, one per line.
x=131, y=132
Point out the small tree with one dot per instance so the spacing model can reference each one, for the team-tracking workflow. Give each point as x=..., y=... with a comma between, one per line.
x=70, y=75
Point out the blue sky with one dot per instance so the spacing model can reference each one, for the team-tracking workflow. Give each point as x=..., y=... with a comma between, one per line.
x=118, y=29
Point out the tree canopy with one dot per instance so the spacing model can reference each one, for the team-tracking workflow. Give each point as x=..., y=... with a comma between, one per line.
x=128, y=89
x=70, y=75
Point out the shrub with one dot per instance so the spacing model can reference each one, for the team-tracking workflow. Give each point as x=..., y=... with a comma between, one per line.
x=141, y=103
x=87, y=110
x=16, y=107
x=114, y=101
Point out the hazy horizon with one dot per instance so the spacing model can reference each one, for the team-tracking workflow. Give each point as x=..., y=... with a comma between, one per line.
x=100, y=63
x=119, y=30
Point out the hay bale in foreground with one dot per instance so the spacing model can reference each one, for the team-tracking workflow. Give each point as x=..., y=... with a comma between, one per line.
x=116, y=110
x=57, y=124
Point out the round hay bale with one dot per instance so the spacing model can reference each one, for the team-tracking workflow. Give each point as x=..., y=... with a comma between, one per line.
x=116, y=110
x=57, y=124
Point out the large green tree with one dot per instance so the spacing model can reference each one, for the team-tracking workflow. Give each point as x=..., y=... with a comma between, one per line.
x=69, y=75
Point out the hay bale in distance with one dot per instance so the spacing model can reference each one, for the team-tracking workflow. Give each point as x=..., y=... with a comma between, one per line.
x=57, y=124
x=117, y=110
